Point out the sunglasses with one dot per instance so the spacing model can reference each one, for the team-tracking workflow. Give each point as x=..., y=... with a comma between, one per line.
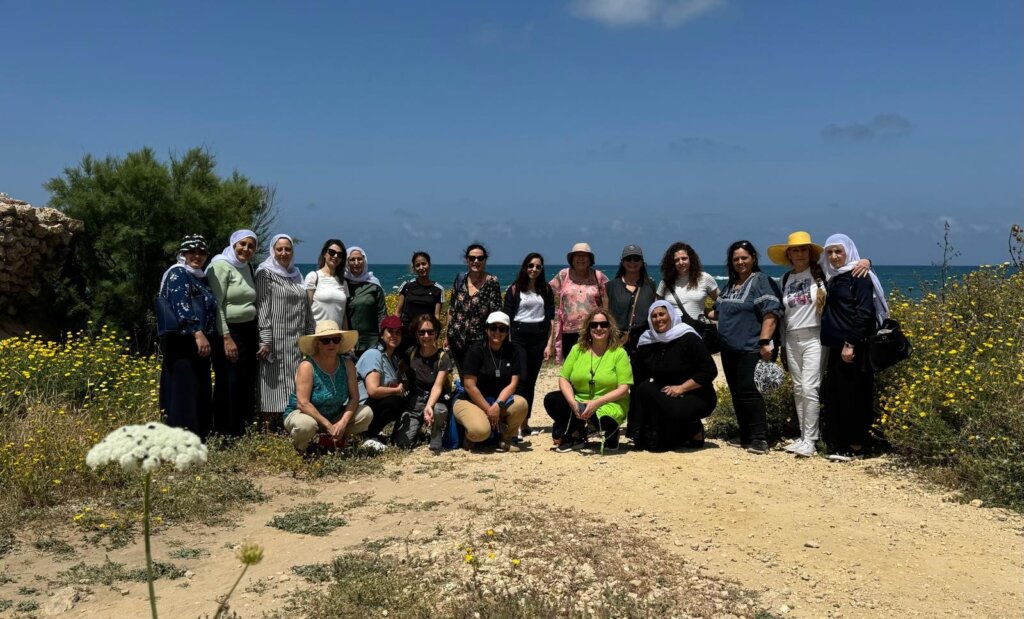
x=534, y=267
x=632, y=259
x=498, y=328
x=330, y=340
x=425, y=332
x=476, y=258
x=334, y=253
x=600, y=324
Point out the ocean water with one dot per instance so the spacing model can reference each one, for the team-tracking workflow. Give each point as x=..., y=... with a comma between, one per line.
x=907, y=279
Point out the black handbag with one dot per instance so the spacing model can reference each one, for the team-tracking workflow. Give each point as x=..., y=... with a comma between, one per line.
x=707, y=330
x=888, y=346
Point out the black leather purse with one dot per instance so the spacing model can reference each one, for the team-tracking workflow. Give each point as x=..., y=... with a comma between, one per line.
x=888, y=346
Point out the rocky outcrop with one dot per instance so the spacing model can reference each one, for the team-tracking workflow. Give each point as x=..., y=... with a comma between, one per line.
x=32, y=241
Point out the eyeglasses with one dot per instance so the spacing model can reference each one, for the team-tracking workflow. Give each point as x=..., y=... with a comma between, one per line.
x=632, y=259
x=476, y=258
x=600, y=324
x=498, y=328
x=334, y=253
x=422, y=332
x=330, y=340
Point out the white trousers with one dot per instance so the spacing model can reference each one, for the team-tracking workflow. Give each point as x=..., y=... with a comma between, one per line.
x=806, y=359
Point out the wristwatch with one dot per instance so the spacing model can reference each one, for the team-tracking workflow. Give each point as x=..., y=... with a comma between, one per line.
x=764, y=342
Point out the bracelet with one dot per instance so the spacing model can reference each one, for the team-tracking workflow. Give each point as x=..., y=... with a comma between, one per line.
x=764, y=342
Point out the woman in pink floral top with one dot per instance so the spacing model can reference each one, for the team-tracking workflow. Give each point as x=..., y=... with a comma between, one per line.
x=475, y=294
x=579, y=288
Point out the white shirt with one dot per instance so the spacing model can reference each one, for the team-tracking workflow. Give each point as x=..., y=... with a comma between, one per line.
x=531, y=308
x=330, y=297
x=692, y=298
x=799, y=299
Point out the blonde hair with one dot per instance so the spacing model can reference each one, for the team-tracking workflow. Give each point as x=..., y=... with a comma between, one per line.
x=614, y=336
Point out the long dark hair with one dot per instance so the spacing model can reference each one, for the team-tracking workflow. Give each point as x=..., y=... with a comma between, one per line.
x=669, y=273
x=523, y=279
x=339, y=273
x=749, y=248
x=643, y=271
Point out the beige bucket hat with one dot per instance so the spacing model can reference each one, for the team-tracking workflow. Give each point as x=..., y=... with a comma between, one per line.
x=580, y=248
x=328, y=328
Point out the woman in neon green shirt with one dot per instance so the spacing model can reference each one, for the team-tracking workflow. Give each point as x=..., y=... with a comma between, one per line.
x=593, y=388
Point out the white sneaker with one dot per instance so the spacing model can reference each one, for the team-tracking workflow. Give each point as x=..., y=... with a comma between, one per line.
x=805, y=448
x=792, y=447
x=373, y=444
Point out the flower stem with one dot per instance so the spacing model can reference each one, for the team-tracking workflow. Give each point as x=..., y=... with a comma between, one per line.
x=149, y=553
x=223, y=606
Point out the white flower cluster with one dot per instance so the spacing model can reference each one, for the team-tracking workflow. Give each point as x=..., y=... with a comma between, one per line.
x=148, y=446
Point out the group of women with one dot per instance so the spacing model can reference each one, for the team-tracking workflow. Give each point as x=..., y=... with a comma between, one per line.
x=321, y=351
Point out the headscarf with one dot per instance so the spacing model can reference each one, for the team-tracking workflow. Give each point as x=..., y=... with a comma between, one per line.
x=367, y=275
x=852, y=256
x=289, y=271
x=228, y=254
x=676, y=331
x=191, y=242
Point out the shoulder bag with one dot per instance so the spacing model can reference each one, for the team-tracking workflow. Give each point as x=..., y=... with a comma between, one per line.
x=888, y=346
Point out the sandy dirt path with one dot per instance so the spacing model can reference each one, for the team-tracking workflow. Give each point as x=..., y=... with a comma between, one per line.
x=813, y=538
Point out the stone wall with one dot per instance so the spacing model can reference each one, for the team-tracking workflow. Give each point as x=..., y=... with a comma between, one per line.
x=32, y=241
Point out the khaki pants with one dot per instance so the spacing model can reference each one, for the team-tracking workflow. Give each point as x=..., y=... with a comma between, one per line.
x=478, y=427
x=302, y=428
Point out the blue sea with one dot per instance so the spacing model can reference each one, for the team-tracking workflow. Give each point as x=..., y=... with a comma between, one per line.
x=907, y=279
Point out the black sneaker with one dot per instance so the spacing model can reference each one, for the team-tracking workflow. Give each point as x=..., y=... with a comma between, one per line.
x=737, y=442
x=611, y=443
x=758, y=446
x=570, y=443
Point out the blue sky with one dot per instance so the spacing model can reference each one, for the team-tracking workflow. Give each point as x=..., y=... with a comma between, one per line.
x=533, y=125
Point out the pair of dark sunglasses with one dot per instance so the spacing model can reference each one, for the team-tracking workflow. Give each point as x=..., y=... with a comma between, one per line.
x=498, y=328
x=334, y=253
x=632, y=259
x=476, y=258
x=330, y=340
x=600, y=324
x=425, y=332
x=534, y=267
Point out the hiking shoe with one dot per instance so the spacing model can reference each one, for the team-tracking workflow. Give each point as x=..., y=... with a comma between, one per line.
x=844, y=456
x=792, y=447
x=570, y=444
x=737, y=442
x=372, y=444
x=806, y=448
x=758, y=446
x=611, y=443
x=508, y=447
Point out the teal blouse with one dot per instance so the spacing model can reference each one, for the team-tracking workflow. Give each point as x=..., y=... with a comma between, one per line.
x=330, y=392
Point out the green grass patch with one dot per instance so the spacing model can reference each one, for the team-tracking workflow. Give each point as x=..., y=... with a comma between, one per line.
x=189, y=553
x=60, y=549
x=309, y=519
x=315, y=572
x=110, y=572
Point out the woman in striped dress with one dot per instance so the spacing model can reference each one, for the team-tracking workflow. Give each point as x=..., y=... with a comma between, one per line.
x=283, y=314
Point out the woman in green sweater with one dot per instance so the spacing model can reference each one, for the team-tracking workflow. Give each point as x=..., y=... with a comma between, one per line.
x=235, y=363
x=366, y=307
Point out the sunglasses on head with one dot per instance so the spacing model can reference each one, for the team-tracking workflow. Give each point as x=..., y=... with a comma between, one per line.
x=498, y=328
x=476, y=258
x=425, y=332
x=600, y=324
x=333, y=253
x=330, y=340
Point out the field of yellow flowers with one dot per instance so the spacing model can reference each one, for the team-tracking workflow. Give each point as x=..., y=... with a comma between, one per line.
x=957, y=405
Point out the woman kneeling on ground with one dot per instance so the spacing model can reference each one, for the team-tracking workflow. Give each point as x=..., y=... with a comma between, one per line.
x=593, y=387
x=380, y=383
x=490, y=375
x=427, y=376
x=325, y=383
x=676, y=388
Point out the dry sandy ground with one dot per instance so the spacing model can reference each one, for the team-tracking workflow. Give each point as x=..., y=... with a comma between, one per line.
x=812, y=538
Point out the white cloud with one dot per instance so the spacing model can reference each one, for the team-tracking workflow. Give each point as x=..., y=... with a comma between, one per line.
x=881, y=126
x=625, y=13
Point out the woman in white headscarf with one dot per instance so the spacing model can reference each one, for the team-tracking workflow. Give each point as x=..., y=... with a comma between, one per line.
x=283, y=314
x=854, y=307
x=233, y=281
x=366, y=307
x=674, y=386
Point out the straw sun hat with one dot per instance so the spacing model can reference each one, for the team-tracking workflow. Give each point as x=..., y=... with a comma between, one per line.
x=777, y=253
x=328, y=328
x=580, y=248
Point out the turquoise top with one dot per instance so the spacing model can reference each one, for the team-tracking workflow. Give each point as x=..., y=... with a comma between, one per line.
x=330, y=392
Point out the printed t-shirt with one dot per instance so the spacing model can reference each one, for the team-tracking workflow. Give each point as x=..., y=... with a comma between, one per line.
x=799, y=300
x=609, y=371
x=692, y=298
x=481, y=362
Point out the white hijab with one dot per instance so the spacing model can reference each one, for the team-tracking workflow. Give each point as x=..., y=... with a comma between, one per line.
x=367, y=275
x=288, y=271
x=228, y=255
x=676, y=331
x=852, y=256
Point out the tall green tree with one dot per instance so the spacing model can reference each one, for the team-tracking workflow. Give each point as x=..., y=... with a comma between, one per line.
x=136, y=210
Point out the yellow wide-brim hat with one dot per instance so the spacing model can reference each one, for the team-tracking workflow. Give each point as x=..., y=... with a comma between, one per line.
x=777, y=253
x=327, y=328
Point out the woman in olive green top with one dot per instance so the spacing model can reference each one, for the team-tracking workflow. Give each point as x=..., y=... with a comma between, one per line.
x=366, y=307
x=235, y=363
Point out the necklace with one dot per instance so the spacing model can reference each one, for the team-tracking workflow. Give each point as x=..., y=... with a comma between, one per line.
x=593, y=371
x=497, y=364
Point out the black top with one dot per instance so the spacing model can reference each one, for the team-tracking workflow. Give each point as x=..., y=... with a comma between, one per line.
x=849, y=314
x=481, y=362
x=620, y=302
x=676, y=362
x=511, y=305
x=420, y=299
x=421, y=372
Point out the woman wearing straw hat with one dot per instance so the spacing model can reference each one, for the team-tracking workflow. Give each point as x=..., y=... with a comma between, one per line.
x=580, y=288
x=326, y=396
x=803, y=300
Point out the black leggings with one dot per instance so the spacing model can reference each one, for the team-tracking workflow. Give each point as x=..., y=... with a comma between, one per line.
x=385, y=410
x=747, y=401
x=533, y=340
x=670, y=421
x=234, y=394
x=566, y=423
